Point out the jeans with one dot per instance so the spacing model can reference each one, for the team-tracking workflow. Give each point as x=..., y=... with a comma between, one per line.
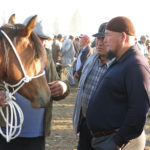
x=107, y=143
x=37, y=143
x=84, y=137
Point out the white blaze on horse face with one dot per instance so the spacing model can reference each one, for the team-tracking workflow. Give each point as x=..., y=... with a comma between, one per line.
x=35, y=68
x=38, y=67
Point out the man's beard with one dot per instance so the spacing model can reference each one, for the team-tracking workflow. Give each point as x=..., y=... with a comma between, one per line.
x=110, y=54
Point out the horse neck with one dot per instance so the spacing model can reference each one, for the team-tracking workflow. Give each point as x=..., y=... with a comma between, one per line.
x=2, y=63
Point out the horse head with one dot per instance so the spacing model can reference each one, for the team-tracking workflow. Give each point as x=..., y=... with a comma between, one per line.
x=33, y=57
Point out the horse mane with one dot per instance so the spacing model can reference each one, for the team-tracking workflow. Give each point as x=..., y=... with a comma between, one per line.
x=12, y=30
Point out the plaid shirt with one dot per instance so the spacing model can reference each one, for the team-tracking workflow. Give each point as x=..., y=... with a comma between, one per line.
x=91, y=73
x=91, y=82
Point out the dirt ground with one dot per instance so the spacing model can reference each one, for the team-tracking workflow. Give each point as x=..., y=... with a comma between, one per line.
x=62, y=134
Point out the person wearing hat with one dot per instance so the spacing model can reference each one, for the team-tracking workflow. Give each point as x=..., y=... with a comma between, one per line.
x=117, y=111
x=93, y=69
x=67, y=58
x=45, y=36
x=142, y=45
x=37, y=122
x=56, y=48
x=82, y=56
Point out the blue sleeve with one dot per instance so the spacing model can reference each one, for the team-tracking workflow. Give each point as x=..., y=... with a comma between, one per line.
x=137, y=84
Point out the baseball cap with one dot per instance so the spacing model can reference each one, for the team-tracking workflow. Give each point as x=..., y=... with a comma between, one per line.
x=143, y=37
x=101, y=30
x=42, y=31
x=85, y=37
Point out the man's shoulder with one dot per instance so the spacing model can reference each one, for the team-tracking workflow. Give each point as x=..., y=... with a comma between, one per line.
x=92, y=58
x=135, y=59
x=55, y=43
x=87, y=48
x=67, y=41
x=95, y=55
x=90, y=62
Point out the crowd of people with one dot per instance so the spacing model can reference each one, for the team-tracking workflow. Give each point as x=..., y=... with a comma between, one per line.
x=71, y=52
x=112, y=101
x=69, y=55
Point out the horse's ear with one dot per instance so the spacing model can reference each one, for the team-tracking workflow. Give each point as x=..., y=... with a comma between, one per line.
x=30, y=26
x=12, y=19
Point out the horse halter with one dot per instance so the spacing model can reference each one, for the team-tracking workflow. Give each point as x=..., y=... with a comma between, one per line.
x=12, y=127
x=26, y=78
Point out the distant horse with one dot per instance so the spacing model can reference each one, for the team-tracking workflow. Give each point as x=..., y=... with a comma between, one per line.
x=33, y=57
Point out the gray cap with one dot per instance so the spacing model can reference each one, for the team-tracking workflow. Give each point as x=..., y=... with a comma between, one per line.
x=42, y=31
x=59, y=36
x=101, y=30
x=143, y=37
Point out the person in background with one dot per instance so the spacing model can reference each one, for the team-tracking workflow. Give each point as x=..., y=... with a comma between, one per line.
x=76, y=44
x=117, y=111
x=93, y=45
x=56, y=48
x=142, y=45
x=67, y=58
x=82, y=56
x=93, y=70
x=37, y=122
x=148, y=45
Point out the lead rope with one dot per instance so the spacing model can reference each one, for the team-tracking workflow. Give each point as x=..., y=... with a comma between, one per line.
x=14, y=116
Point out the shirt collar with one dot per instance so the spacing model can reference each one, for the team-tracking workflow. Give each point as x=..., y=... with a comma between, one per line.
x=84, y=48
x=126, y=54
x=108, y=63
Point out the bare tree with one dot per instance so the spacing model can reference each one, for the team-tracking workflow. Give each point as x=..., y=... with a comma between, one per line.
x=56, y=26
x=76, y=23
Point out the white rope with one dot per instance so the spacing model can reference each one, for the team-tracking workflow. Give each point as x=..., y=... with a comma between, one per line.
x=22, y=82
x=14, y=116
x=14, y=49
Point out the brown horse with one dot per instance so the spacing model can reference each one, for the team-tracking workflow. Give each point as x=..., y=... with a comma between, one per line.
x=33, y=58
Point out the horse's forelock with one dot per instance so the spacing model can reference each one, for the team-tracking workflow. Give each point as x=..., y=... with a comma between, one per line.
x=12, y=31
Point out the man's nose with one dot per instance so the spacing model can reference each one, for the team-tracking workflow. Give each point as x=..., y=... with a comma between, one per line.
x=104, y=40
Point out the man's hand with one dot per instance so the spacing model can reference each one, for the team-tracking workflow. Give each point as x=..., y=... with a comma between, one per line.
x=2, y=98
x=58, y=88
x=118, y=148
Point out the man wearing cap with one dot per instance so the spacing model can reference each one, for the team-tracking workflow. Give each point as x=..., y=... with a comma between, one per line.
x=82, y=56
x=93, y=69
x=142, y=45
x=51, y=74
x=117, y=111
x=37, y=122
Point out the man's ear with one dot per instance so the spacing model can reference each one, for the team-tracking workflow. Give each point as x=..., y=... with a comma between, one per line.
x=124, y=36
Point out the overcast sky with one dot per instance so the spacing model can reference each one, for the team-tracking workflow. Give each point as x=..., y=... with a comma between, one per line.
x=92, y=13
